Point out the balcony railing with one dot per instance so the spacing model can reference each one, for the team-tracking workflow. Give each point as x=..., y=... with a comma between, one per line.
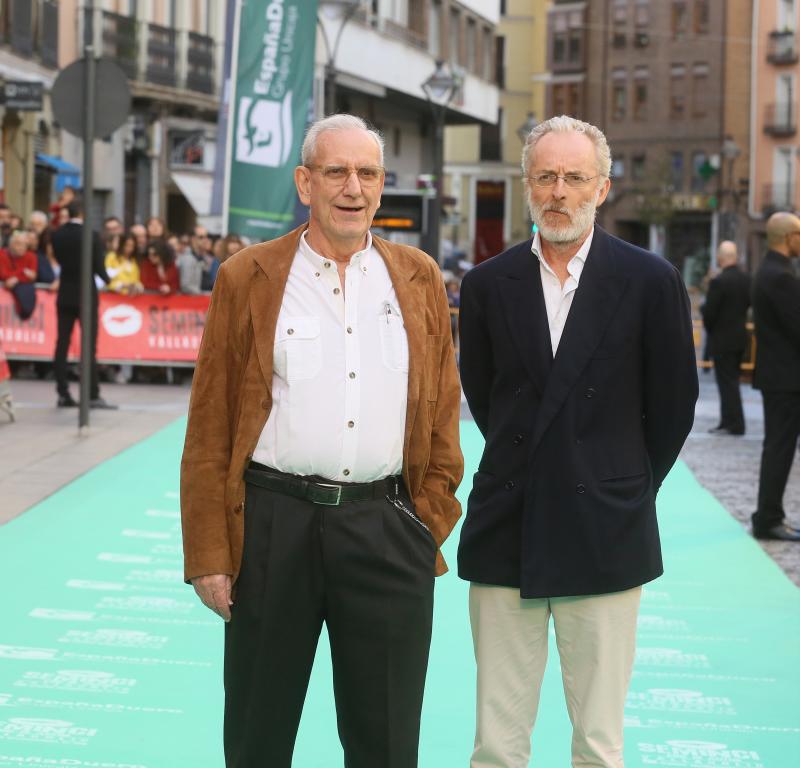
x=200, y=59
x=119, y=41
x=780, y=119
x=782, y=48
x=777, y=197
x=158, y=55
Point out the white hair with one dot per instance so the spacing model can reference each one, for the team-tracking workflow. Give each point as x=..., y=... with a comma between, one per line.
x=41, y=215
x=566, y=124
x=341, y=122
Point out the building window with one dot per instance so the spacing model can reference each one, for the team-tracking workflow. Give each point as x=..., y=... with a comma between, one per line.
x=677, y=91
x=701, y=15
x=487, y=50
x=454, y=39
x=641, y=77
x=783, y=179
x=575, y=46
x=699, y=171
x=676, y=171
x=786, y=14
x=566, y=99
x=472, y=46
x=560, y=33
x=638, y=167
x=435, y=29
x=680, y=20
x=642, y=14
x=491, y=141
x=618, y=169
x=500, y=62
x=619, y=23
x=700, y=90
x=619, y=93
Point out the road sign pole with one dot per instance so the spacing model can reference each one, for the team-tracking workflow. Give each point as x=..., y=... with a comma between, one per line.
x=88, y=310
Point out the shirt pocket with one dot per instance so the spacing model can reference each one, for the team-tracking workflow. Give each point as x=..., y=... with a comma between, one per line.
x=394, y=342
x=298, y=348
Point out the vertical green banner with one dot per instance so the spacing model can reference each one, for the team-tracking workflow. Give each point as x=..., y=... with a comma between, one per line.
x=272, y=84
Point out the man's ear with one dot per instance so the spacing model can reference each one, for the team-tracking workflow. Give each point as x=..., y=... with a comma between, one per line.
x=302, y=180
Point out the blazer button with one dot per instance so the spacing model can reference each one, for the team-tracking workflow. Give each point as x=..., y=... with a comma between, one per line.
x=509, y=485
x=580, y=488
x=265, y=403
x=518, y=391
x=590, y=393
x=518, y=439
x=239, y=508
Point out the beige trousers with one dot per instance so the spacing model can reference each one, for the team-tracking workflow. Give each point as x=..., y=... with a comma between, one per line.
x=596, y=639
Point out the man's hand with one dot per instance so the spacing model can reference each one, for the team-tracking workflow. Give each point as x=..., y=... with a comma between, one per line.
x=11, y=282
x=215, y=592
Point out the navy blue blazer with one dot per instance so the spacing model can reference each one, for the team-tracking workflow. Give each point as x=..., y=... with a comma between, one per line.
x=578, y=445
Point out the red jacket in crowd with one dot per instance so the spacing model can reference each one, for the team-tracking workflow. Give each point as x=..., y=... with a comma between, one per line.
x=152, y=281
x=14, y=266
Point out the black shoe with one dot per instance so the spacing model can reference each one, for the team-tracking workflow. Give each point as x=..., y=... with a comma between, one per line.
x=718, y=430
x=781, y=532
x=99, y=404
x=66, y=401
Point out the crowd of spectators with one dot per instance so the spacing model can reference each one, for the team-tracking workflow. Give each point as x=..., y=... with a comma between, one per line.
x=144, y=258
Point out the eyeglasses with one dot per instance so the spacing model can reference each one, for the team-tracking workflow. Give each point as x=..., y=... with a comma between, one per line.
x=549, y=179
x=368, y=175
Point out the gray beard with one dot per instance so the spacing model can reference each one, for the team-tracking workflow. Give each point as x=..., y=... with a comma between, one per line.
x=580, y=221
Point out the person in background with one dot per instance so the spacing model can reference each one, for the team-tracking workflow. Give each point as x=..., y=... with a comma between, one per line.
x=158, y=272
x=197, y=265
x=776, y=315
x=67, y=250
x=156, y=229
x=112, y=226
x=64, y=199
x=724, y=317
x=139, y=231
x=122, y=266
x=17, y=262
x=232, y=244
x=5, y=225
x=63, y=215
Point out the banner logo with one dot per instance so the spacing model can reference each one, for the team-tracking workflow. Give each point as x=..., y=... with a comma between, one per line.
x=122, y=320
x=264, y=133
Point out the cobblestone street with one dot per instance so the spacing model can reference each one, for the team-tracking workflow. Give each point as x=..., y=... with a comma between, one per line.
x=728, y=467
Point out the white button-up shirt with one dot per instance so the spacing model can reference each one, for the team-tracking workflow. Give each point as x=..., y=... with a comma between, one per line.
x=340, y=372
x=558, y=298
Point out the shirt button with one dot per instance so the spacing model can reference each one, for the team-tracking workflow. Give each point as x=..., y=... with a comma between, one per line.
x=580, y=488
x=509, y=485
x=351, y=424
x=590, y=393
x=290, y=331
x=327, y=264
x=346, y=472
x=518, y=439
x=316, y=274
x=336, y=291
x=352, y=375
x=349, y=329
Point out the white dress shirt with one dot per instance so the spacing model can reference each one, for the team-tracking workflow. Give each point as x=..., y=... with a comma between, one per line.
x=340, y=372
x=558, y=298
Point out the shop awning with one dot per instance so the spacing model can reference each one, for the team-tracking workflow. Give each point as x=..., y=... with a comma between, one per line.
x=196, y=188
x=67, y=175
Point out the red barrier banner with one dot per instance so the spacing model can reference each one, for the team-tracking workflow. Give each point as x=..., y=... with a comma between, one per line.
x=133, y=329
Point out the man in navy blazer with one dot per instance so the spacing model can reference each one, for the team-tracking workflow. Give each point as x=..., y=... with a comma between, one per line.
x=577, y=362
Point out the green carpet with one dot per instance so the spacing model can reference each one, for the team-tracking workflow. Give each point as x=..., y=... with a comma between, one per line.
x=108, y=661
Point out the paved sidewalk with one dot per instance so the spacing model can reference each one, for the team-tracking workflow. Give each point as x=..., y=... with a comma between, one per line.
x=43, y=451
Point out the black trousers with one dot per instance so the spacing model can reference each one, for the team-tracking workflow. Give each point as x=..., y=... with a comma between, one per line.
x=67, y=317
x=781, y=435
x=364, y=568
x=727, y=371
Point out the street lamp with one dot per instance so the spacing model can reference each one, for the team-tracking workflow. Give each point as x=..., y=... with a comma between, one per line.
x=730, y=150
x=440, y=89
x=525, y=129
x=344, y=10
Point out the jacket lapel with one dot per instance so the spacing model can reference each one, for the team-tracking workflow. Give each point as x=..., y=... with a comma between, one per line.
x=273, y=262
x=594, y=304
x=521, y=293
x=410, y=285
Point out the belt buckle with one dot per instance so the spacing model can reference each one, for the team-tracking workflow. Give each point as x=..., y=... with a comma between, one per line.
x=338, y=494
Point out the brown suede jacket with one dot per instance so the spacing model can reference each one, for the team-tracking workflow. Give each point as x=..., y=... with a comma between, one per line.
x=232, y=396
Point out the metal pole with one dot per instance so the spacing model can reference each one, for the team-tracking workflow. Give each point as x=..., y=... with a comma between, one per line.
x=438, y=170
x=87, y=272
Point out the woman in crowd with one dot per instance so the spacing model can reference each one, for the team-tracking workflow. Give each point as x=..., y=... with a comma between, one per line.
x=158, y=271
x=121, y=265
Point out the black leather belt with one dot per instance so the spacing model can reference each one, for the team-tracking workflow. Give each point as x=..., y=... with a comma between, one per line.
x=318, y=490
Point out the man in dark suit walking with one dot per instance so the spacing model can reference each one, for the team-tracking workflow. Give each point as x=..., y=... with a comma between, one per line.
x=776, y=312
x=725, y=319
x=66, y=242
x=578, y=365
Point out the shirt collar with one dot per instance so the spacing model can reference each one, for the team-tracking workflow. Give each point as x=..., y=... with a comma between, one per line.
x=576, y=263
x=361, y=258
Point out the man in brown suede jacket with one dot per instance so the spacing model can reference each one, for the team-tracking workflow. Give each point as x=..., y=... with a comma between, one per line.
x=320, y=466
